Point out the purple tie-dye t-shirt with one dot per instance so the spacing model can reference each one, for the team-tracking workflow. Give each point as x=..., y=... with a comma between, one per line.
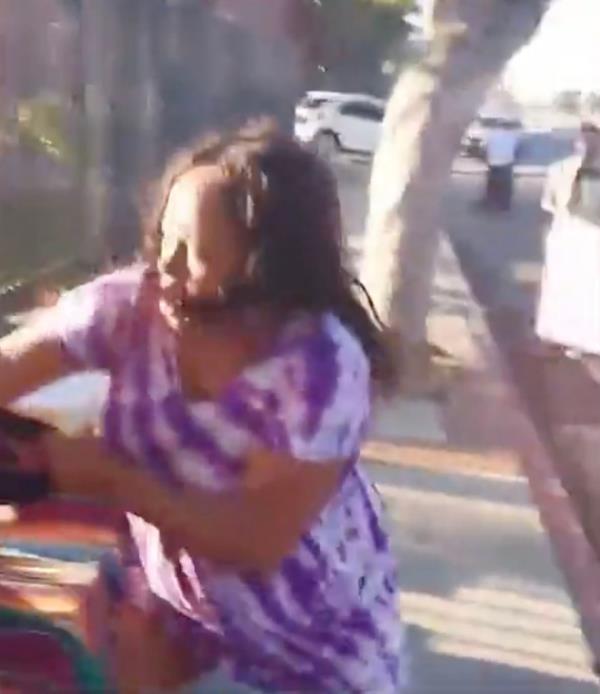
x=326, y=621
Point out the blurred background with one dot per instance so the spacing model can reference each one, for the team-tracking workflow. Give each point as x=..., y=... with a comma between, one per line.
x=401, y=98
x=95, y=95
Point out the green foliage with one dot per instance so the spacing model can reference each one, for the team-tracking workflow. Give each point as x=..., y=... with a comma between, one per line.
x=72, y=5
x=37, y=229
x=41, y=126
x=357, y=37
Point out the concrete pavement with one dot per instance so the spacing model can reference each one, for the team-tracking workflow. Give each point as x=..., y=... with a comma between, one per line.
x=483, y=600
x=482, y=429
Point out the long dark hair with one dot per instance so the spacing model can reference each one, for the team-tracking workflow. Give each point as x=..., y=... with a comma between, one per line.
x=286, y=197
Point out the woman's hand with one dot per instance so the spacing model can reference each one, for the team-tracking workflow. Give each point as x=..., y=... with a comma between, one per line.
x=148, y=659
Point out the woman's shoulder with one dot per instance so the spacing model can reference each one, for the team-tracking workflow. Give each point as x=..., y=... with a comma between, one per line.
x=311, y=397
x=326, y=363
x=101, y=295
x=92, y=320
x=324, y=337
x=122, y=284
x=348, y=345
x=328, y=391
x=109, y=295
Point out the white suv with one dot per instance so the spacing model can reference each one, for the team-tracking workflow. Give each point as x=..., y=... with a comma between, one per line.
x=338, y=122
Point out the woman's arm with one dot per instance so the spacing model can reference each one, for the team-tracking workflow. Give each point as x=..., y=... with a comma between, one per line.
x=251, y=529
x=89, y=328
x=29, y=358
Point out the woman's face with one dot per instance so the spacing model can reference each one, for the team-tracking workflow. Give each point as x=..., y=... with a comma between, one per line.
x=203, y=251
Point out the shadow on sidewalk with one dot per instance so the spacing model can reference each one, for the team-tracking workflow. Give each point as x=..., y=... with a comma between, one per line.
x=469, y=667
x=482, y=598
x=563, y=397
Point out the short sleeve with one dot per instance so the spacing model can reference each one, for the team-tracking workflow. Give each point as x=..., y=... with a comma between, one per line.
x=91, y=321
x=326, y=402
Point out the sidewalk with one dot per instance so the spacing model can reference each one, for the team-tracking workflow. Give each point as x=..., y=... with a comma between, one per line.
x=564, y=396
x=484, y=422
x=481, y=433
x=483, y=601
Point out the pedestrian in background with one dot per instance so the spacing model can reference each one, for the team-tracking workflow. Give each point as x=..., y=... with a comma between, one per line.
x=501, y=152
x=569, y=309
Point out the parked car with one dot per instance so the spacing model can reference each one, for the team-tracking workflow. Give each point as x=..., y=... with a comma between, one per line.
x=473, y=143
x=339, y=122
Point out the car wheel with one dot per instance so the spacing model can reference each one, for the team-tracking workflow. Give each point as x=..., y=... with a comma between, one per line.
x=326, y=146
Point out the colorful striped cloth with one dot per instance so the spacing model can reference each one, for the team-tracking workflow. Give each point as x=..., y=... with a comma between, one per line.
x=327, y=620
x=38, y=656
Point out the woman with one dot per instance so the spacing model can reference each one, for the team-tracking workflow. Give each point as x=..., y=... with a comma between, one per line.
x=242, y=366
x=568, y=316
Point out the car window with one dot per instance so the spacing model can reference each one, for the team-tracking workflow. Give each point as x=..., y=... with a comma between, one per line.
x=351, y=108
x=362, y=109
x=490, y=122
x=313, y=101
x=377, y=113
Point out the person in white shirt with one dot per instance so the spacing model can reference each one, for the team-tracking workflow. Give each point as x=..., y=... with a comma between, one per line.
x=568, y=316
x=501, y=152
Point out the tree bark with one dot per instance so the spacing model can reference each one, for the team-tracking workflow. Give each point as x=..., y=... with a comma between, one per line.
x=430, y=107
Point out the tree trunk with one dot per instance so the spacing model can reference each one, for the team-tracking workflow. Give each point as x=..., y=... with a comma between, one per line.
x=430, y=107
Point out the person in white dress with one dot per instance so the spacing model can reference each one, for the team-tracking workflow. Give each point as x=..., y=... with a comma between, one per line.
x=569, y=309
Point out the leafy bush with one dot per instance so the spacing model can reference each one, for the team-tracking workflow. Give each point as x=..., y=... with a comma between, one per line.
x=41, y=126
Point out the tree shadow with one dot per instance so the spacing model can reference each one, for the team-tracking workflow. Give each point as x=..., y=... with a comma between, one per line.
x=484, y=603
x=434, y=672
